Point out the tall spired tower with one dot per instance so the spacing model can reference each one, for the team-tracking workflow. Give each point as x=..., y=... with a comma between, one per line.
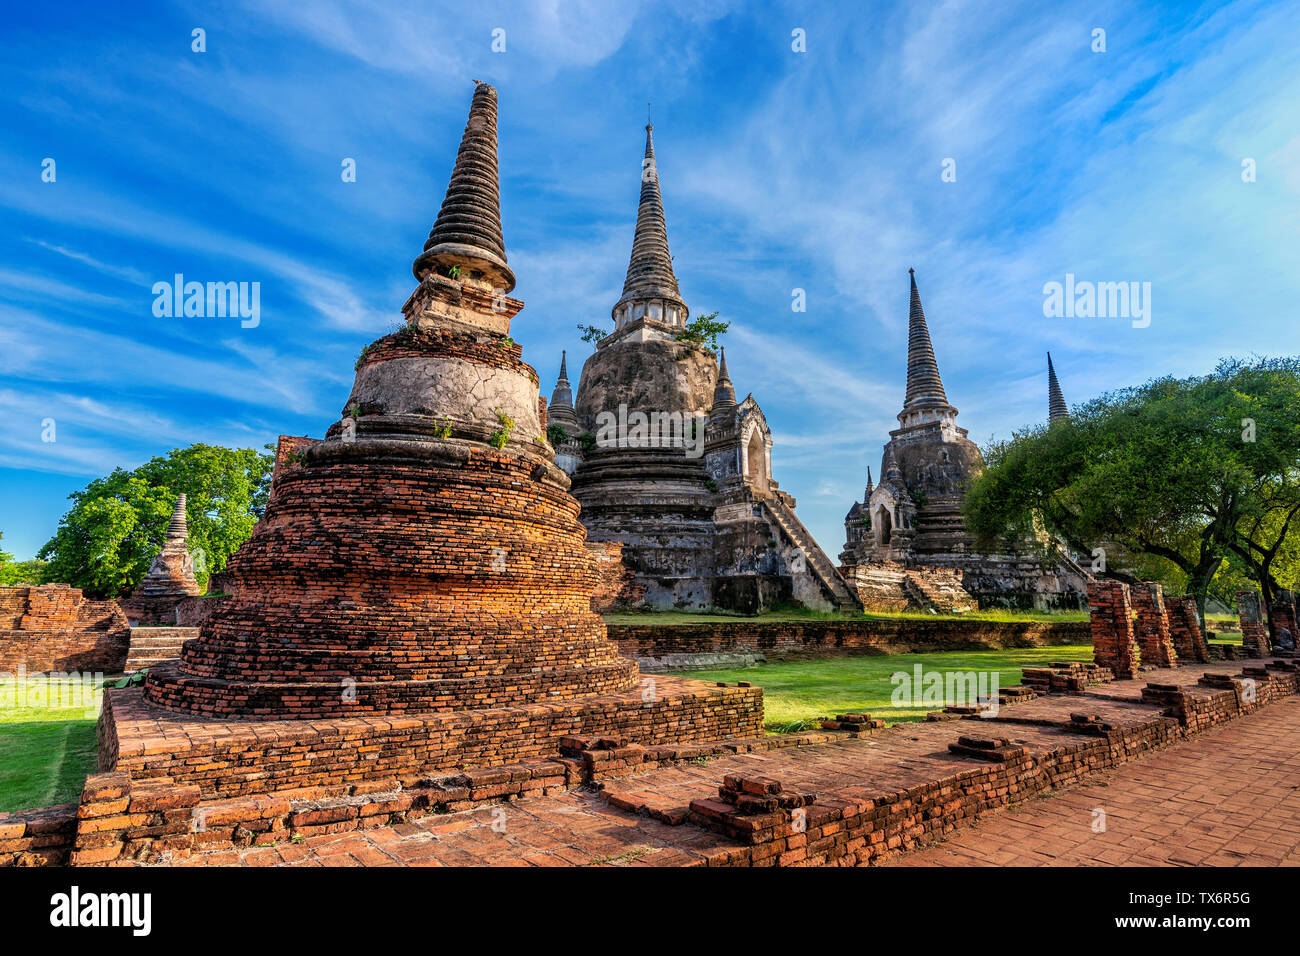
x=672, y=468
x=908, y=537
x=426, y=555
x=1057, y=410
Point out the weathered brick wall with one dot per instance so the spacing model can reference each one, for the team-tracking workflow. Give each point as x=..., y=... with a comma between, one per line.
x=170, y=612
x=830, y=638
x=1185, y=629
x=616, y=584
x=1151, y=626
x=1111, y=623
x=1254, y=627
x=54, y=628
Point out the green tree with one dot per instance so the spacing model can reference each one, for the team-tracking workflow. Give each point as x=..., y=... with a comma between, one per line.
x=117, y=524
x=19, y=572
x=1186, y=471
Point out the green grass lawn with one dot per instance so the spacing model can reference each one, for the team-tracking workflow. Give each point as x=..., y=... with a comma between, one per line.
x=801, y=614
x=47, y=742
x=797, y=692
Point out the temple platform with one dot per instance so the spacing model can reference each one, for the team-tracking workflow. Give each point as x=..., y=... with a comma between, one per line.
x=233, y=757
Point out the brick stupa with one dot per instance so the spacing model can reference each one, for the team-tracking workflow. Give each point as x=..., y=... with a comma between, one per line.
x=172, y=572
x=425, y=559
x=170, y=578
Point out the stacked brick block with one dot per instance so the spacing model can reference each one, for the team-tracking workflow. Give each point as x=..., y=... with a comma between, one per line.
x=1185, y=629
x=1065, y=677
x=1151, y=625
x=1254, y=627
x=1111, y=622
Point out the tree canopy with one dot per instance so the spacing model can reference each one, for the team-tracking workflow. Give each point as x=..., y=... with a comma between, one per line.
x=117, y=524
x=19, y=572
x=1202, y=474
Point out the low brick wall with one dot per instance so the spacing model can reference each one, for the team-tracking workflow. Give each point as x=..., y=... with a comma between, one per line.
x=778, y=639
x=54, y=628
x=235, y=758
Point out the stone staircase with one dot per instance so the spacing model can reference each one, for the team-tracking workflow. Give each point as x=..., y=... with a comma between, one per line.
x=938, y=590
x=153, y=645
x=783, y=516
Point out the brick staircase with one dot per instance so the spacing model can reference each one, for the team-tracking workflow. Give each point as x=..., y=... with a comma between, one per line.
x=783, y=516
x=153, y=645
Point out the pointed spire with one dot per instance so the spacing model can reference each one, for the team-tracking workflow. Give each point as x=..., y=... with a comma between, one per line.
x=650, y=268
x=562, y=397
x=924, y=387
x=178, y=530
x=724, y=395
x=1057, y=411
x=467, y=232
x=870, y=487
x=889, y=465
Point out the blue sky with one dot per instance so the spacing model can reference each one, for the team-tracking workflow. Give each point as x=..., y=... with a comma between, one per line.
x=780, y=170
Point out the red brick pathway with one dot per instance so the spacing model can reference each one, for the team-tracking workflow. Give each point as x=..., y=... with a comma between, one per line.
x=1228, y=798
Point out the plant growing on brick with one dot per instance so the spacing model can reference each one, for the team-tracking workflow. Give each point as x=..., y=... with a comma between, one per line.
x=502, y=434
x=703, y=330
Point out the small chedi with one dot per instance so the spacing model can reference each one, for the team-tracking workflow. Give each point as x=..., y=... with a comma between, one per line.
x=906, y=541
x=425, y=559
x=666, y=463
x=170, y=578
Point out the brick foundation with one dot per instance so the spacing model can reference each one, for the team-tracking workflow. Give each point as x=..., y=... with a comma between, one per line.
x=230, y=758
x=1111, y=622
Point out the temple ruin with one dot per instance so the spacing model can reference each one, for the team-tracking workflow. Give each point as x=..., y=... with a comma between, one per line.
x=666, y=462
x=906, y=541
x=417, y=595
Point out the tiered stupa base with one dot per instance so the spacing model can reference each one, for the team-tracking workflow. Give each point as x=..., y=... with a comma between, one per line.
x=405, y=608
